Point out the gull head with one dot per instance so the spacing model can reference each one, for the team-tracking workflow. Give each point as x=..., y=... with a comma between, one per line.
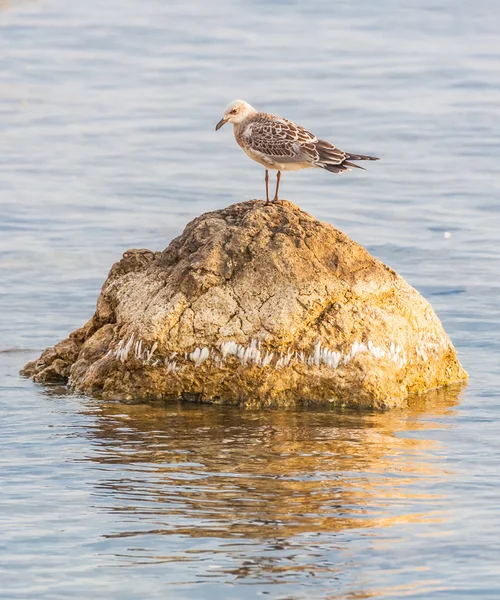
x=236, y=112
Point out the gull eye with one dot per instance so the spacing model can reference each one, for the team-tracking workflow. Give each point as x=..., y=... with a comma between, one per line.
x=234, y=111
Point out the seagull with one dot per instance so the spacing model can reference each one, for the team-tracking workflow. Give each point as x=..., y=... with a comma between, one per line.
x=281, y=145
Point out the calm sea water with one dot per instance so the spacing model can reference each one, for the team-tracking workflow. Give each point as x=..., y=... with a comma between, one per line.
x=107, y=115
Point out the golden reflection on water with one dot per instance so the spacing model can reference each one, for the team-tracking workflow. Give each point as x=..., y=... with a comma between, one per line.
x=202, y=471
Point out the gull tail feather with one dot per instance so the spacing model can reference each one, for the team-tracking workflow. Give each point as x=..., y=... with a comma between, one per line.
x=360, y=157
x=346, y=164
x=336, y=168
x=352, y=165
x=336, y=161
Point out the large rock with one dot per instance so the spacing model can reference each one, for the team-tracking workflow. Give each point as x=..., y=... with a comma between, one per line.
x=256, y=304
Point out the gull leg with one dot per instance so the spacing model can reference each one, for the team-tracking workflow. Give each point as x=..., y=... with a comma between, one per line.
x=278, y=177
x=267, y=186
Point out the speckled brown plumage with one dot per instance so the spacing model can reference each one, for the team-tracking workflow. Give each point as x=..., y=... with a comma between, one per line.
x=279, y=144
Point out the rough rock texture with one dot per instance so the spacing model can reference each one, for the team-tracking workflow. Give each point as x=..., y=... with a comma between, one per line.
x=256, y=304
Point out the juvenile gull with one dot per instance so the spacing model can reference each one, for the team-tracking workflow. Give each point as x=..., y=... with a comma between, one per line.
x=282, y=145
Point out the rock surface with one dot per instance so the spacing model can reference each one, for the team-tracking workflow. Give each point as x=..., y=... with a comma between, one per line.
x=260, y=305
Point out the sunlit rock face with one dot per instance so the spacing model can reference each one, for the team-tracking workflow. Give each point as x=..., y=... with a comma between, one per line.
x=259, y=305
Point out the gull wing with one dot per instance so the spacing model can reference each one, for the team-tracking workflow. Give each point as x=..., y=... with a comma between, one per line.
x=279, y=139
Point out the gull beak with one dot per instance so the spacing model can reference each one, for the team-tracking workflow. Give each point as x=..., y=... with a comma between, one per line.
x=221, y=123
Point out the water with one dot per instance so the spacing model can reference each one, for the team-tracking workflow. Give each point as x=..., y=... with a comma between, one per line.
x=107, y=116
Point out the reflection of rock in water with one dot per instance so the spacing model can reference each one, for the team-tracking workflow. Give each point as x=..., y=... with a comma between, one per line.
x=204, y=471
x=260, y=305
